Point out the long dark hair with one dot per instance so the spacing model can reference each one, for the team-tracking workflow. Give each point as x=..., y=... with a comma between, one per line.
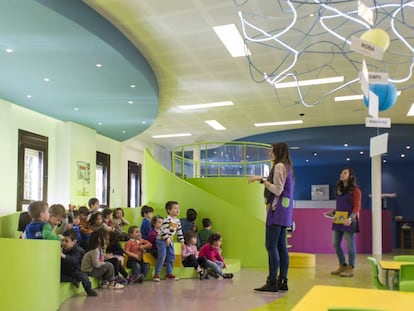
x=340, y=188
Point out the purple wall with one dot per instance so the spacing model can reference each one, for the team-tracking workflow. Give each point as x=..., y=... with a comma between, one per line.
x=313, y=232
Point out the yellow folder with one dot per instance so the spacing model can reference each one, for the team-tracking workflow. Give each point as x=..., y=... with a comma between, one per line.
x=340, y=217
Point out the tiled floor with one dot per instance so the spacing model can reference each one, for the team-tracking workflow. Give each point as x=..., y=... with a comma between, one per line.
x=236, y=294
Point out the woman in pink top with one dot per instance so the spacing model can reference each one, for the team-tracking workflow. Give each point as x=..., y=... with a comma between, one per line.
x=215, y=262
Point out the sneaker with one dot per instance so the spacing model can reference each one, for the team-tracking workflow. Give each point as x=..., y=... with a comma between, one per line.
x=282, y=284
x=156, y=278
x=213, y=273
x=105, y=284
x=227, y=275
x=349, y=272
x=171, y=277
x=121, y=280
x=115, y=285
x=91, y=293
x=132, y=279
x=203, y=274
x=268, y=287
x=140, y=278
x=340, y=269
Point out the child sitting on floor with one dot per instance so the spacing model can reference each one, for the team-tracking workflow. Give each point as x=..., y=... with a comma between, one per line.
x=215, y=262
x=71, y=257
x=189, y=255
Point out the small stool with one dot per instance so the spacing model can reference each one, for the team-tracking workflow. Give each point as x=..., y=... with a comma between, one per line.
x=406, y=229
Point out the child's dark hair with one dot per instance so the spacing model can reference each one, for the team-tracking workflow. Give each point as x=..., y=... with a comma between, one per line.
x=83, y=210
x=92, y=201
x=97, y=239
x=114, y=238
x=169, y=205
x=154, y=220
x=206, y=222
x=118, y=209
x=71, y=234
x=36, y=208
x=24, y=220
x=146, y=209
x=106, y=212
x=76, y=214
x=214, y=237
x=188, y=236
x=191, y=214
x=94, y=217
x=131, y=230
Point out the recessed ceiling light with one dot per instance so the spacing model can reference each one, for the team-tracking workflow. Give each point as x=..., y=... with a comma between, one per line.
x=410, y=112
x=361, y=152
x=144, y=122
x=99, y=65
x=348, y=159
x=130, y=102
x=29, y=96
x=345, y=145
x=208, y=105
x=46, y=79
x=279, y=123
x=76, y=109
x=232, y=40
x=306, y=160
x=132, y=85
x=100, y=123
x=9, y=50
x=171, y=135
x=309, y=82
x=315, y=154
x=384, y=161
x=294, y=148
x=402, y=155
x=408, y=147
x=215, y=125
x=123, y=132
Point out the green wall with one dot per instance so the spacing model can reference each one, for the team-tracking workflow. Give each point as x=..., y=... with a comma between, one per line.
x=235, y=207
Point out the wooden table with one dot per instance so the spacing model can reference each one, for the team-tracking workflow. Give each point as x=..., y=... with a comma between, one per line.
x=391, y=265
x=322, y=297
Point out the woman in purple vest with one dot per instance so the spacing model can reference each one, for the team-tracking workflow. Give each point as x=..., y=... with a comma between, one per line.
x=279, y=204
x=346, y=224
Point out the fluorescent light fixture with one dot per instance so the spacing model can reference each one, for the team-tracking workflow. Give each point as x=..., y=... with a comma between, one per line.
x=171, y=135
x=284, y=85
x=354, y=97
x=279, y=123
x=232, y=40
x=204, y=106
x=215, y=125
x=411, y=111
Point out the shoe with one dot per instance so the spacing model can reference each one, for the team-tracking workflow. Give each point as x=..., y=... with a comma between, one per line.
x=140, y=278
x=91, y=293
x=156, y=278
x=171, y=277
x=115, y=285
x=349, y=272
x=203, y=274
x=340, y=269
x=76, y=283
x=105, y=284
x=121, y=280
x=132, y=279
x=268, y=287
x=282, y=284
x=213, y=273
x=227, y=275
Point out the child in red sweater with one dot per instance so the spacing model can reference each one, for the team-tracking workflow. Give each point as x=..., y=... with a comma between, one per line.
x=215, y=262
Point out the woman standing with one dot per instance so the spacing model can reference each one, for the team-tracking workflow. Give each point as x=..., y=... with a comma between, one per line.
x=279, y=204
x=346, y=222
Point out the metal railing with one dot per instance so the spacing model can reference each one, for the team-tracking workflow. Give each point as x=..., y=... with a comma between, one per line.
x=221, y=159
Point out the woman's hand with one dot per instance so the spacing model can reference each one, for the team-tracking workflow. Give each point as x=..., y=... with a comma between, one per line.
x=348, y=222
x=253, y=179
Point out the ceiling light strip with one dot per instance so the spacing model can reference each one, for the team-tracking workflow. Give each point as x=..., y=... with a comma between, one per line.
x=171, y=135
x=278, y=123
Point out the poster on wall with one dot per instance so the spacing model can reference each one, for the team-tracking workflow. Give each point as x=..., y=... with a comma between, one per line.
x=84, y=172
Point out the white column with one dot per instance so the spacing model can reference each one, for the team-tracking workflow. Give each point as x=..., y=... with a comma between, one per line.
x=376, y=205
x=196, y=161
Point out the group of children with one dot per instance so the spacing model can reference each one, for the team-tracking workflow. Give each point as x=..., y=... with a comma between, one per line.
x=91, y=243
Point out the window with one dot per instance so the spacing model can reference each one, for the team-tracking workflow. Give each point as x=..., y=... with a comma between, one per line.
x=134, y=184
x=32, y=169
x=103, y=184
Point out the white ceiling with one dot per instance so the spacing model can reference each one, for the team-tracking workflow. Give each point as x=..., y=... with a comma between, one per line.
x=192, y=66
